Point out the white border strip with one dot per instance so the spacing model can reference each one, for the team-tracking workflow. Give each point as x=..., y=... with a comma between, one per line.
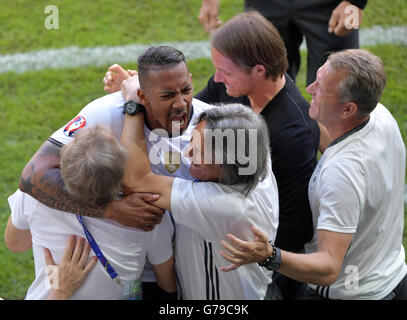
x=74, y=57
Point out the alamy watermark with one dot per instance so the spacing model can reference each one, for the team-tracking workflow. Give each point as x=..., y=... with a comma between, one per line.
x=52, y=20
x=52, y=281
x=352, y=278
x=352, y=18
x=228, y=146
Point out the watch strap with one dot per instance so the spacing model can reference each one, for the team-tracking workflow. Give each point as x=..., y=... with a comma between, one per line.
x=132, y=107
x=273, y=262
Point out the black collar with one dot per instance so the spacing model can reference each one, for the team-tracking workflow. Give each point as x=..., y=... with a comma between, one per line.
x=349, y=133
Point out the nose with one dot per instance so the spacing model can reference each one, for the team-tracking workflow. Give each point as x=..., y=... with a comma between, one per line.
x=180, y=104
x=218, y=76
x=311, y=88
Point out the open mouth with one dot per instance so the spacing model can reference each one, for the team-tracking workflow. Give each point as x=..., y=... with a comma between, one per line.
x=179, y=121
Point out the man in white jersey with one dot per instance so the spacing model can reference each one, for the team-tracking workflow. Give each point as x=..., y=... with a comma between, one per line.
x=93, y=168
x=356, y=192
x=245, y=194
x=172, y=105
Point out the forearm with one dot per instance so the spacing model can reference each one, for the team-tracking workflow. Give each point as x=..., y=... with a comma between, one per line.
x=138, y=164
x=41, y=178
x=315, y=268
x=321, y=267
x=138, y=176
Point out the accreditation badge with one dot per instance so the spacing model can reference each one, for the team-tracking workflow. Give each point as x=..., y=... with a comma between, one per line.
x=172, y=161
x=132, y=290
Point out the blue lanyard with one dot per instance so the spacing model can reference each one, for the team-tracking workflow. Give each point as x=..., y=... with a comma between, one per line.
x=106, y=265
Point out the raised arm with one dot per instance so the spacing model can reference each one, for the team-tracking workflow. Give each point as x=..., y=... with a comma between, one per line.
x=41, y=178
x=114, y=77
x=138, y=175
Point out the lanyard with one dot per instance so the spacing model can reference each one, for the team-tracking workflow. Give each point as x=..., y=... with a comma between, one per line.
x=106, y=265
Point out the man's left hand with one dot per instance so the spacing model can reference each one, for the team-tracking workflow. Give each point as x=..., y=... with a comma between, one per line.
x=338, y=22
x=241, y=252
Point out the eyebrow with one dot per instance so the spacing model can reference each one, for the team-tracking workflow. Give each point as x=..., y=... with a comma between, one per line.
x=169, y=91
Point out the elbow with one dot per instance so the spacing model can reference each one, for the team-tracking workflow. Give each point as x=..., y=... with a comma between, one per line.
x=28, y=176
x=328, y=277
x=16, y=246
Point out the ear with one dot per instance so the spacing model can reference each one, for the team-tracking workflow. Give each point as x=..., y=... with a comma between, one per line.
x=143, y=99
x=259, y=70
x=349, y=110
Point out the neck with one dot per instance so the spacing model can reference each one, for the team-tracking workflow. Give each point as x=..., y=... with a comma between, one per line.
x=264, y=92
x=344, y=127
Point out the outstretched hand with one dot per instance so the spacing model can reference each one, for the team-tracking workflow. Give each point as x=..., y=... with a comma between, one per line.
x=114, y=77
x=241, y=252
x=69, y=275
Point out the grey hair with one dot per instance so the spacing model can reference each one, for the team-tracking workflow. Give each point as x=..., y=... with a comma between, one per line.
x=364, y=80
x=239, y=119
x=93, y=164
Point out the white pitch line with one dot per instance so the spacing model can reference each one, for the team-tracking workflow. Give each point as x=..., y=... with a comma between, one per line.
x=74, y=57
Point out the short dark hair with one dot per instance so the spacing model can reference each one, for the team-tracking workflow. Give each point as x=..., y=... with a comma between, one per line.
x=157, y=58
x=249, y=39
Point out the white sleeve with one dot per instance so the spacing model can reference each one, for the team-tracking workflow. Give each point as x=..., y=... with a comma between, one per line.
x=209, y=208
x=107, y=110
x=19, y=209
x=341, y=198
x=161, y=249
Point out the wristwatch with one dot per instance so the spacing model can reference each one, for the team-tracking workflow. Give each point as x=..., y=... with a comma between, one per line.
x=274, y=261
x=132, y=107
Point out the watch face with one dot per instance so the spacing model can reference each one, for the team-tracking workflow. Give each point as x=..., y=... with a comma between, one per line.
x=130, y=107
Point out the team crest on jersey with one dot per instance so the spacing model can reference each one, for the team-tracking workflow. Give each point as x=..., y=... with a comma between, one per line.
x=315, y=177
x=74, y=125
x=172, y=161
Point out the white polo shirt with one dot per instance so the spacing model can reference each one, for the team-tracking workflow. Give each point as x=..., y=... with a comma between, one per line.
x=358, y=188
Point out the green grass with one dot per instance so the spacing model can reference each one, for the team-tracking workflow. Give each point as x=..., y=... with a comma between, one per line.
x=102, y=22
x=35, y=104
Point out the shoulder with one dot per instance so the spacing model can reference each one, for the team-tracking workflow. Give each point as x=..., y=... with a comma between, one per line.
x=200, y=106
x=111, y=101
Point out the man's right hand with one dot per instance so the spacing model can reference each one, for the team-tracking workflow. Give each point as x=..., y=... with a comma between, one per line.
x=115, y=76
x=208, y=15
x=135, y=210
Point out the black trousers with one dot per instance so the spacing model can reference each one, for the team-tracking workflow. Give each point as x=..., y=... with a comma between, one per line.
x=296, y=19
